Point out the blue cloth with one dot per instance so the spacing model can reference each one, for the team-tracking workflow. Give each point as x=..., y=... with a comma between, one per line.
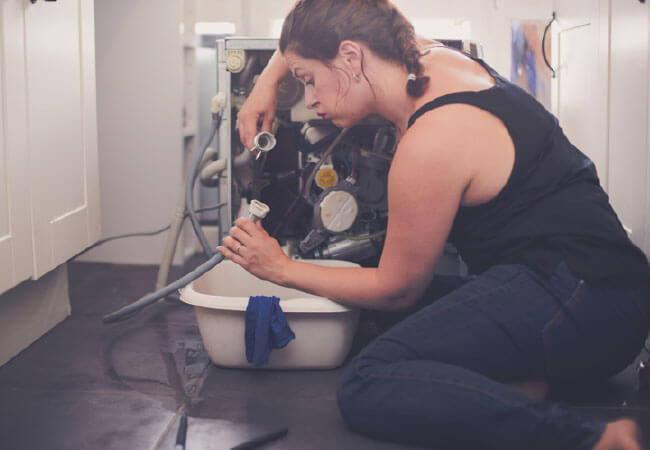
x=266, y=328
x=437, y=378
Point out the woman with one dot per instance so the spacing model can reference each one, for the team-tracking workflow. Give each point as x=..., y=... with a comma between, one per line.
x=557, y=292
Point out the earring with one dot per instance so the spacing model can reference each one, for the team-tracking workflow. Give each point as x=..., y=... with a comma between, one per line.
x=356, y=77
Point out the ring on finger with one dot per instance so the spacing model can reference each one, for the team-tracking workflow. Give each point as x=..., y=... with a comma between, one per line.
x=237, y=249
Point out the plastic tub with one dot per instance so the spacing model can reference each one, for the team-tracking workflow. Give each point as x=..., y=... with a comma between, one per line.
x=324, y=329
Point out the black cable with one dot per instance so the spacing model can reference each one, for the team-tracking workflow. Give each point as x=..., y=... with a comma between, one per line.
x=182, y=432
x=548, y=27
x=261, y=440
x=209, y=208
x=289, y=211
x=122, y=236
x=146, y=233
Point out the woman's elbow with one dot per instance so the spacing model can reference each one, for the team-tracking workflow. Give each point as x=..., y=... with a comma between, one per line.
x=399, y=298
x=400, y=288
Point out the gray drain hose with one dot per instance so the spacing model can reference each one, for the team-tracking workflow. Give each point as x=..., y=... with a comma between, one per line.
x=257, y=211
x=189, y=190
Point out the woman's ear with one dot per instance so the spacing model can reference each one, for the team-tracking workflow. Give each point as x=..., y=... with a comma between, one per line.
x=351, y=56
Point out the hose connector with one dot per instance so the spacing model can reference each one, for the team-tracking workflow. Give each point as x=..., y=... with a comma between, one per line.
x=263, y=142
x=257, y=210
x=217, y=104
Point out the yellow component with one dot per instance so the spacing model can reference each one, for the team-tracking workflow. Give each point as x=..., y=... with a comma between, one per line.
x=326, y=178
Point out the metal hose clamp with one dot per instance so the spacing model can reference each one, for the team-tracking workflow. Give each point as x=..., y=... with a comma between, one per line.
x=263, y=143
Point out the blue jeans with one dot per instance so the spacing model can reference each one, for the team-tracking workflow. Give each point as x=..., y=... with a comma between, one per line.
x=438, y=377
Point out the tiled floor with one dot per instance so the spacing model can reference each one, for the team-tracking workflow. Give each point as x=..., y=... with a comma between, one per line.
x=86, y=385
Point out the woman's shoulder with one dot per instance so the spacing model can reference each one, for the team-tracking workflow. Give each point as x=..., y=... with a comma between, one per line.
x=466, y=141
x=438, y=137
x=448, y=138
x=451, y=71
x=446, y=124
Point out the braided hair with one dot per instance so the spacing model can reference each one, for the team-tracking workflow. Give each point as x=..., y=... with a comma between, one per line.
x=314, y=29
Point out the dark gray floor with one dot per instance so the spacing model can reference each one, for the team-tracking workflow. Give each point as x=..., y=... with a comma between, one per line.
x=85, y=385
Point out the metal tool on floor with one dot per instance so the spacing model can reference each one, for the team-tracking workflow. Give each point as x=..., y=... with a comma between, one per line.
x=643, y=376
x=261, y=440
x=181, y=435
x=265, y=438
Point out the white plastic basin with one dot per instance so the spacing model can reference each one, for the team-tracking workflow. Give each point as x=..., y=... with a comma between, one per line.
x=324, y=329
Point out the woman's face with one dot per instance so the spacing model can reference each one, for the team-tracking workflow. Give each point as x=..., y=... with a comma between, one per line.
x=330, y=89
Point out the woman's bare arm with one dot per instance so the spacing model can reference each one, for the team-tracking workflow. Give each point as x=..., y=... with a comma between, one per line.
x=262, y=101
x=426, y=183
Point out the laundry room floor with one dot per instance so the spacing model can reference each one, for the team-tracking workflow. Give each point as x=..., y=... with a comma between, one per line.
x=86, y=385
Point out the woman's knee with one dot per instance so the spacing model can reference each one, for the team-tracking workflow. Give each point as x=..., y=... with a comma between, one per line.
x=352, y=394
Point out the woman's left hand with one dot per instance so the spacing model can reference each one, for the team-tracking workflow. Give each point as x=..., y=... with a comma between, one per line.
x=250, y=246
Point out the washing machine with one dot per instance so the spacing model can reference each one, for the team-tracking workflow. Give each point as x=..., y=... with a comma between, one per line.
x=326, y=187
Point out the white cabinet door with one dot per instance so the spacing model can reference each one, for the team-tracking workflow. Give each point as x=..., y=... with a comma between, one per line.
x=580, y=44
x=628, y=114
x=15, y=217
x=646, y=246
x=61, y=129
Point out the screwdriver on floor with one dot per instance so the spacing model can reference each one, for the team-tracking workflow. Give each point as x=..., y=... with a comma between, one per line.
x=182, y=433
x=181, y=436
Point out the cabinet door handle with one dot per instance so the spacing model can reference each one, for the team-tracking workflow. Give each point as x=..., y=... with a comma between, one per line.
x=548, y=27
x=34, y=1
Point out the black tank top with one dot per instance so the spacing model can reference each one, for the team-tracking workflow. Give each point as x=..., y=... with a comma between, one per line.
x=552, y=208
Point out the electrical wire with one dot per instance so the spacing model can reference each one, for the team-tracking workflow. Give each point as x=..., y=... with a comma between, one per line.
x=287, y=214
x=347, y=165
x=365, y=237
x=143, y=234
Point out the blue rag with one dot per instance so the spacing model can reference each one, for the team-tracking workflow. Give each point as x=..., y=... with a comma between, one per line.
x=266, y=328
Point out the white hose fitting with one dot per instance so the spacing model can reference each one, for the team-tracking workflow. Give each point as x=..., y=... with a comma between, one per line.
x=212, y=169
x=258, y=210
x=217, y=104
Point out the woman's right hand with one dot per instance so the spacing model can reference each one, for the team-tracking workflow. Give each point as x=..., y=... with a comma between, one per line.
x=259, y=108
x=261, y=103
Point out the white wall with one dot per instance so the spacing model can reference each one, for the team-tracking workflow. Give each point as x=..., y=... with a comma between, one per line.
x=581, y=59
x=221, y=11
x=490, y=20
x=646, y=246
x=497, y=37
x=139, y=103
x=251, y=17
x=628, y=115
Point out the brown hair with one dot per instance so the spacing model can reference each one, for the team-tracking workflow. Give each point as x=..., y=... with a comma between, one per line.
x=314, y=29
